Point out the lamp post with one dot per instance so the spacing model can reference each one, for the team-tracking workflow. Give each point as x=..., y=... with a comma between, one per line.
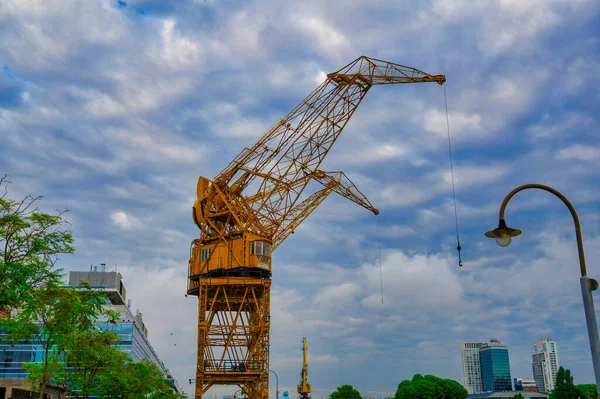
x=503, y=235
x=276, y=382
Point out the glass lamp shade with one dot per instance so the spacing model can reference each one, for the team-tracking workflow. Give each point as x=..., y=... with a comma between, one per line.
x=503, y=234
x=503, y=239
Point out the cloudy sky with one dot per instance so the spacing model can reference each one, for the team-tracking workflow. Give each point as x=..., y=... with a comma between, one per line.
x=114, y=108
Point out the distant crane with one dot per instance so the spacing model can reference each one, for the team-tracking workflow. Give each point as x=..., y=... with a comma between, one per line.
x=252, y=206
x=304, y=388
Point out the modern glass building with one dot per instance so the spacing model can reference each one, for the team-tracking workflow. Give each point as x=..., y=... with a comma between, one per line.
x=495, y=367
x=133, y=334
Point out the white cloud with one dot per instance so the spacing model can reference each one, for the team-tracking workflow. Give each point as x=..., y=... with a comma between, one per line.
x=461, y=124
x=324, y=359
x=396, y=231
x=177, y=51
x=243, y=35
x=104, y=106
x=371, y=154
x=417, y=282
x=337, y=295
x=579, y=73
x=124, y=221
x=563, y=125
x=401, y=195
x=465, y=176
x=149, y=142
x=330, y=41
x=579, y=152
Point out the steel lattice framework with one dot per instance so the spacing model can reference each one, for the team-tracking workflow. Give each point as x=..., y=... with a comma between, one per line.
x=252, y=206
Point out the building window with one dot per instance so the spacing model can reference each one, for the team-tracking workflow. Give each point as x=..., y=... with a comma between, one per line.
x=204, y=255
x=260, y=248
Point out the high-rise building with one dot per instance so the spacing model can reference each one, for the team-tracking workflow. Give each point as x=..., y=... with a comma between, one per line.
x=544, y=362
x=133, y=334
x=495, y=367
x=471, y=367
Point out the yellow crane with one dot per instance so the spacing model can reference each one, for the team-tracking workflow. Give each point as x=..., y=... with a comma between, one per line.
x=252, y=206
x=304, y=388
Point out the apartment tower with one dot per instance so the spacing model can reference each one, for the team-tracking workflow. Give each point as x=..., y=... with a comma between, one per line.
x=544, y=362
x=471, y=367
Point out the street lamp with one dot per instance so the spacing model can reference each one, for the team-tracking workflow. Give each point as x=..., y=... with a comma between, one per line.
x=503, y=236
x=276, y=382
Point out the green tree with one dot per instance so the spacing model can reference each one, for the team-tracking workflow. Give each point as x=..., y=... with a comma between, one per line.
x=113, y=382
x=586, y=391
x=564, y=387
x=55, y=316
x=128, y=379
x=30, y=244
x=430, y=387
x=35, y=305
x=89, y=355
x=35, y=373
x=417, y=388
x=518, y=396
x=345, y=392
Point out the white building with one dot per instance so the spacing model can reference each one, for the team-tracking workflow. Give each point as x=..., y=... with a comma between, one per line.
x=544, y=362
x=471, y=367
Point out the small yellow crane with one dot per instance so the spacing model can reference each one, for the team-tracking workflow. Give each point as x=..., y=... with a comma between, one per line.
x=304, y=388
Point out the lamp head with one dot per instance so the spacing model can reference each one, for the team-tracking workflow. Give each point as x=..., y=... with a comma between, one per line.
x=503, y=234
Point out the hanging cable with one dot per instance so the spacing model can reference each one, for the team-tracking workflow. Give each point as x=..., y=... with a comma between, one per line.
x=458, y=247
x=380, y=267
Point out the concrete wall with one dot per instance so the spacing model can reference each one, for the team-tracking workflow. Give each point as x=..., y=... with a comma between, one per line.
x=96, y=279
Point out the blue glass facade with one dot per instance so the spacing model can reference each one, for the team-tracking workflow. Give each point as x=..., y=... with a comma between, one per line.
x=495, y=368
x=131, y=330
x=12, y=358
x=131, y=340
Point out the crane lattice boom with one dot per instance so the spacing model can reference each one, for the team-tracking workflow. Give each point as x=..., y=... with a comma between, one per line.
x=253, y=205
x=287, y=157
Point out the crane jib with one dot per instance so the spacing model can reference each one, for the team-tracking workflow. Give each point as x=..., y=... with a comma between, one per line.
x=252, y=206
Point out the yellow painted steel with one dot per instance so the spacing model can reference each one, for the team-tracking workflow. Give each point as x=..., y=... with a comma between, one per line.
x=252, y=206
x=304, y=388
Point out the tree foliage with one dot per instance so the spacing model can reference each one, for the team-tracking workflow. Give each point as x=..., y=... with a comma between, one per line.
x=35, y=305
x=518, y=396
x=89, y=356
x=564, y=387
x=129, y=379
x=430, y=387
x=30, y=244
x=56, y=317
x=345, y=392
x=586, y=391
